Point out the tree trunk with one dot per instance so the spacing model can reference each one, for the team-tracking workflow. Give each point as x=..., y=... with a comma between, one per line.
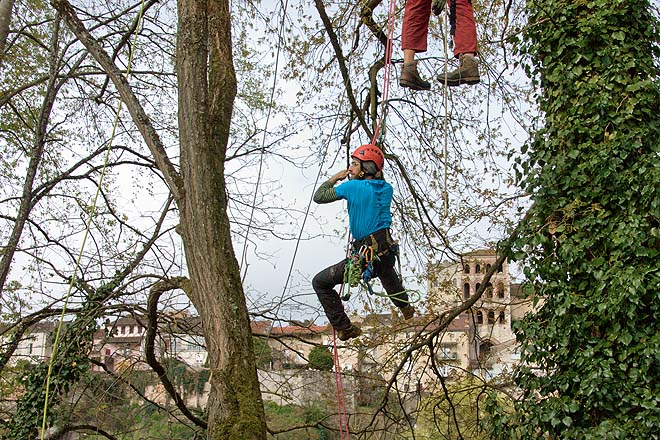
x=206, y=97
x=207, y=87
x=6, y=7
x=36, y=152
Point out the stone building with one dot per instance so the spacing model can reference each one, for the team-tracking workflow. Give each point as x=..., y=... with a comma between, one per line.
x=491, y=346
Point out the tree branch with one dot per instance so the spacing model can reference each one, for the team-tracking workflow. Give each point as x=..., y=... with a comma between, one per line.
x=152, y=325
x=139, y=116
x=447, y=317
x=342, y=66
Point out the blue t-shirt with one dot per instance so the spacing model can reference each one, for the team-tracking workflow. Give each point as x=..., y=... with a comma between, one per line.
x=368, y=205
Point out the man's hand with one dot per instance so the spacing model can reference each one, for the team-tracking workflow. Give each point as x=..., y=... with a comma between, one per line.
x=339, y=176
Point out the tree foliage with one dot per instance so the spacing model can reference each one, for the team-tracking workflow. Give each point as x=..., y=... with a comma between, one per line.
x=320, y=358
x=286, y=64
x=592, y=246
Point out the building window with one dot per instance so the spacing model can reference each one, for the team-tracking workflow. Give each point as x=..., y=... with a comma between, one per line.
x=480, y=317
x=485, y=349
x=487, y=267
x=491, y=317
x=500, y=290
x=477, y=269
x=501, y=318
x=466, y=268
x=500, y=269
x=489, y=290
x=476, y=288
x=466, y=290
x=446, y=353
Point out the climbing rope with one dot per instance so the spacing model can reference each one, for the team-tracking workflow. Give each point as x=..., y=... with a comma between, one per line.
x=87, y=229
x=445, y=193
x=344, y=429
x=391, y=15
x=348, y=253
x=243, y=261
x=414, y=296
x=302, y=227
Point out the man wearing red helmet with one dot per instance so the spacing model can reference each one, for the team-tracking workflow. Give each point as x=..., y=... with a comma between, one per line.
x=369, y=198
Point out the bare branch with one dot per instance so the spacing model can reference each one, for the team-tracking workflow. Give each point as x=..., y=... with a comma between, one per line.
x=342, y=66
x=149, y=346
x=139, y=116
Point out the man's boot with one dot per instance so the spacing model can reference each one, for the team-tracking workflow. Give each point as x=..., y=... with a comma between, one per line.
x=353, y=331
x=467, y=72
x=410, y=78
x=407, y=311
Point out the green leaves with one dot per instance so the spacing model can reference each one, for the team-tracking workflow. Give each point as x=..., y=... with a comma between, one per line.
x=320, y=358
x=593, y=253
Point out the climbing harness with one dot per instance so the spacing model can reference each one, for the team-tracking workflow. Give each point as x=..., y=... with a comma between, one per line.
x=359, y=271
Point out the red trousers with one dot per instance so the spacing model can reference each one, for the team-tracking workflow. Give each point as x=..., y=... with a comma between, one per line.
x=416, y=26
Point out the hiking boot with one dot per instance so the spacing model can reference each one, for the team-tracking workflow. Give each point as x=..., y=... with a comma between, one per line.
x=408, y=311
x=351, y=332
x=467, y=72
x=410, y=78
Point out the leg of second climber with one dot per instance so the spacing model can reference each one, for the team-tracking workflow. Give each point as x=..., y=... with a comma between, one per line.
x=465, y=47
x=414, y=39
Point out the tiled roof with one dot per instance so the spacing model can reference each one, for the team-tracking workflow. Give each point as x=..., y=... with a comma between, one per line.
x=300, y=330
x=480, y=252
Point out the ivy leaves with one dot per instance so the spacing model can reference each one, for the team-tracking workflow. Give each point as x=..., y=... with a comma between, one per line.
x=592, y=249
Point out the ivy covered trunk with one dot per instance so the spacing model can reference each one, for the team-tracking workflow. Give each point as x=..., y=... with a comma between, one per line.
x=592, y=248
x=207, y=87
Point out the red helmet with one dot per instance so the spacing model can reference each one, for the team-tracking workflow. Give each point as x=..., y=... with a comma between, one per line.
x=370, y=152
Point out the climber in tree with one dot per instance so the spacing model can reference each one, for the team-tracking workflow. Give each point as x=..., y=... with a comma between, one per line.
x=369, y=198
x=414, y=39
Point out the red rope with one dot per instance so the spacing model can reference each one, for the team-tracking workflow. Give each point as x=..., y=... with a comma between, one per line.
x=388, y=67
x=344, y=429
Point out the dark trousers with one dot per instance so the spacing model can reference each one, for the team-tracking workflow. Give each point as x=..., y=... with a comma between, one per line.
x=325, y=281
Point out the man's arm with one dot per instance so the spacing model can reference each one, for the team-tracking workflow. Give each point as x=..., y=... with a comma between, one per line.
x=326, y=192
